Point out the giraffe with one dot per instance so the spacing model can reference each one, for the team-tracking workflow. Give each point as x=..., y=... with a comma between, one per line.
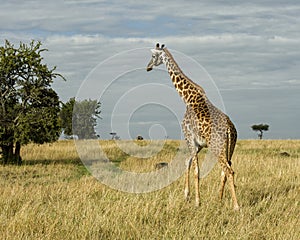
x=204, y=125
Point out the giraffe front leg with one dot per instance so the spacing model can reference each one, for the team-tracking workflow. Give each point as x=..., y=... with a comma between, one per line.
x=187, y=179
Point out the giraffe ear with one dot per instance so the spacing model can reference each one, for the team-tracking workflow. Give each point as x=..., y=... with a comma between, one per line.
x=157, y=45
x=162, y=46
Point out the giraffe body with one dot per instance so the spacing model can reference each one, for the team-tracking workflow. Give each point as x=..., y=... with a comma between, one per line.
x=204, y=125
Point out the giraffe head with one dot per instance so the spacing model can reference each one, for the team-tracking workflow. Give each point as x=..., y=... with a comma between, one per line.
x=157, y=57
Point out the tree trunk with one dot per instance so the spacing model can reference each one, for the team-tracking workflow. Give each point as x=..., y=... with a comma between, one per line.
x=260, y=135
x=9, y=155
x=17, y=156
x=7, y=152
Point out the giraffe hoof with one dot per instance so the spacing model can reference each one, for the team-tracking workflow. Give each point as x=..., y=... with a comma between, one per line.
x=187, y=198
x=236, y=208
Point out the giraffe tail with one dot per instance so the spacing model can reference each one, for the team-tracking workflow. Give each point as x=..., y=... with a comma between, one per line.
x=228, y=147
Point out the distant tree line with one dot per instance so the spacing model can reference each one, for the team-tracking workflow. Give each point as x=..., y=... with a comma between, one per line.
x=30, y=110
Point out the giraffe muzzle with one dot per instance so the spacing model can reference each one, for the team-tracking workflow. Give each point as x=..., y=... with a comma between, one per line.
x=149, y=69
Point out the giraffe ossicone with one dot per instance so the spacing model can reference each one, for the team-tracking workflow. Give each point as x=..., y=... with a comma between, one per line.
x=204, y=125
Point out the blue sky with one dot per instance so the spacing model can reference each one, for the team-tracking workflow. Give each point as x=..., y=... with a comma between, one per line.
x=249, y=52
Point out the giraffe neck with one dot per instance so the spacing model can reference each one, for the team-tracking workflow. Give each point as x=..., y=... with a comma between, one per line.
x=190, y=92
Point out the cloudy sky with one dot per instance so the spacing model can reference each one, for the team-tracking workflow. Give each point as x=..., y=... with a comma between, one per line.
x=246, y=54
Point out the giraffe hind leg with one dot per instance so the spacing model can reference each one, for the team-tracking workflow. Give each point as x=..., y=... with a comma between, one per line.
x=187, y=179
x=223, y=182
x=230, y=176
x=224, y=179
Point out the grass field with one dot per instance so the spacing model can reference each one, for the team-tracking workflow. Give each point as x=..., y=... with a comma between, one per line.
x=53, y=196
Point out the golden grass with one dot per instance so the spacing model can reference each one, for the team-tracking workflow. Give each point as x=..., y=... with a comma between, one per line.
x=52, y=196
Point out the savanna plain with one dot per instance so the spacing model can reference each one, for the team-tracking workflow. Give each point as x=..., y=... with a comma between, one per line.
x=53, y=196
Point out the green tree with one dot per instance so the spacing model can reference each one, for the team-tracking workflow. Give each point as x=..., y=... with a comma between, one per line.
x=66, y=114
x=80, y=118
x=29, y=107
x=260, y=128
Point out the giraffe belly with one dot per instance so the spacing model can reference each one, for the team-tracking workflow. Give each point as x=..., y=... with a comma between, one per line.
x=199, y=141
x=193, y=134
x=197, y=135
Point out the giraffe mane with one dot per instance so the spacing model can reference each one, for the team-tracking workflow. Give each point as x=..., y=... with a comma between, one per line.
x=180, y=71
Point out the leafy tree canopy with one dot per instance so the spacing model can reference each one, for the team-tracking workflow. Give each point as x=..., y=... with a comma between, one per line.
x=29, y=107
x=80, y=118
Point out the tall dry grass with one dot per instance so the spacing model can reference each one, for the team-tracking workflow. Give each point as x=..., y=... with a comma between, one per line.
x=52, y=196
